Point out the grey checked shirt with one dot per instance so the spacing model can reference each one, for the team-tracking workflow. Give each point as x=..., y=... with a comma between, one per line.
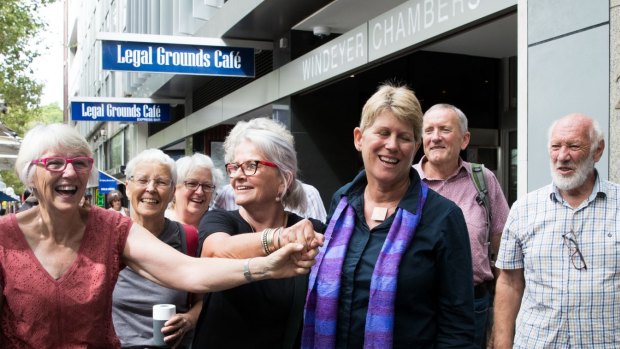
x=563, y=307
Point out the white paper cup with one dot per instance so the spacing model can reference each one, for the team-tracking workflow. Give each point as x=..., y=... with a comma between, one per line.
x=161, y=314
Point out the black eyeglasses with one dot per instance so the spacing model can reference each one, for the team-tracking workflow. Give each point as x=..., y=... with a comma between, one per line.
x=59, y=163
x=193, y=185
x=576, y=258
x=248, y=168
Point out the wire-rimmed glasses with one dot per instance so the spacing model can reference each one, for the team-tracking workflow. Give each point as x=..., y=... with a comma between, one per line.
x=59, y=163
x=576, y=258
x=193, y=185
x=248, y=167
x=143, y=182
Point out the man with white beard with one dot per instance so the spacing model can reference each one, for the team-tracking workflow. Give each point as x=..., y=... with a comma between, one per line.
x=560, y=251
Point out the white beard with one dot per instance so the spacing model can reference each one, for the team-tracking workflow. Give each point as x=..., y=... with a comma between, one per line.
x=582, y=171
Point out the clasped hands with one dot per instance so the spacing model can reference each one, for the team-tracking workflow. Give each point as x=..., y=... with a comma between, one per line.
x=307, y=243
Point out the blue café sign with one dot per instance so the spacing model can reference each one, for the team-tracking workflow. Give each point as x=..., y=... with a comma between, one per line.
x=107, y=183
x=123, y=112
x=177, y=58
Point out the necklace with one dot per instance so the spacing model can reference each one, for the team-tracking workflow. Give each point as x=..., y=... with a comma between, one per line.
x=379, y=214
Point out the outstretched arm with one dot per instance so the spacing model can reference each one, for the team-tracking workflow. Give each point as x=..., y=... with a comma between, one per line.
x=222, y=244
x=164, y=265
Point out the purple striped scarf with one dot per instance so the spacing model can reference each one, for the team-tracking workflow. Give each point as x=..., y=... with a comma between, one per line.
x=321, y=311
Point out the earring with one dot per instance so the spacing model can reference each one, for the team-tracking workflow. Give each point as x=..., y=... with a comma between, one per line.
x=278, y=198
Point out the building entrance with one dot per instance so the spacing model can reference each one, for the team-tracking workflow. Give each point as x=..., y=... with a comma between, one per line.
x=483, y=87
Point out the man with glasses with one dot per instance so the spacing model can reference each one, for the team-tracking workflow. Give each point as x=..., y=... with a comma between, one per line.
x=559, y=255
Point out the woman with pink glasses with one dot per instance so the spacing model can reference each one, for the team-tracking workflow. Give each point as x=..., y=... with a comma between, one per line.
x=59, y=261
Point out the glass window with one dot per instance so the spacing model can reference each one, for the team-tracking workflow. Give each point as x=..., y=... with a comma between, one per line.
x=116, y=151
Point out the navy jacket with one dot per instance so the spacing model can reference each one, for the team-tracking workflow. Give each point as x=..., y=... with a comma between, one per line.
x=434, y=298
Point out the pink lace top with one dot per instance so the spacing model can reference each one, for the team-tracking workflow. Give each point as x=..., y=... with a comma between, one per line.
x=74, y=311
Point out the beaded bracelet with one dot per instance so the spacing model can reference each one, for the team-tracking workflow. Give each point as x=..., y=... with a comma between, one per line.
x=270, y=240
x=264, y=242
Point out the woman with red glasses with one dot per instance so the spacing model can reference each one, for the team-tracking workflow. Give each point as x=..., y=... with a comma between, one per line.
x=59, y=261
x=262, y=167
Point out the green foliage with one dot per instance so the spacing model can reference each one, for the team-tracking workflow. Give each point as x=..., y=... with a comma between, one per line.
x=11, y=180
x=19, y=46
x=20, y=26
x=48, y=114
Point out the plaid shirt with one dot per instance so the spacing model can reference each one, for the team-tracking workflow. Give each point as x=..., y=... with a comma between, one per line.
x=563, y=307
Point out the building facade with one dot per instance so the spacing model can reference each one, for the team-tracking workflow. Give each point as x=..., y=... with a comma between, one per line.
x=511, y=66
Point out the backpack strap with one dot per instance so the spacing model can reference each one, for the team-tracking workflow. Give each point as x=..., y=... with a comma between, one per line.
x=477, y=176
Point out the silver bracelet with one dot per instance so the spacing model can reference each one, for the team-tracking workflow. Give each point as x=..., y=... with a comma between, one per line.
x=246, y=270
x=264, y=241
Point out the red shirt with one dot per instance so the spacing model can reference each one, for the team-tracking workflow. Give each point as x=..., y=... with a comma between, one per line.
x=74, y=311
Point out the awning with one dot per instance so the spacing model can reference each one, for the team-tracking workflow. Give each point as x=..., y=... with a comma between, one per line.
x=107, y=183
x=6, y=197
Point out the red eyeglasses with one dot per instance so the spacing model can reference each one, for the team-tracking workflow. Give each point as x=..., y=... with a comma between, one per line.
x=248, y=168
x=59, y=163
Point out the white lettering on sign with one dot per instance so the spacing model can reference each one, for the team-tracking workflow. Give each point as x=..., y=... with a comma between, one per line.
x=333, y=56
x=151, y=111
x=93, y=111
x=134, y=57
x=123, y=112
x=183, y=59
x=416, y=17
x=230, y=60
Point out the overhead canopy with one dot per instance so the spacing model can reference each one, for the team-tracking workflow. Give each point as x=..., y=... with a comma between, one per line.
x=6, y=197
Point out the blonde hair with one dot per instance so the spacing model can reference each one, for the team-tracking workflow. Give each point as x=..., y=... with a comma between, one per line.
x=401, y=101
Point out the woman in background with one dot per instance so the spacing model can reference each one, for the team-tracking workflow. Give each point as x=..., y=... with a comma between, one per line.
x=197, y=180
x=150, y=187
x=115, y=201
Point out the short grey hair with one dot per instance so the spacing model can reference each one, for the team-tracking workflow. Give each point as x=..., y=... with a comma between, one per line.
x=152, y=155
x=277, y=144
x=461, y=116
x=189, y=163
x=595, y=132
x=43, y=138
